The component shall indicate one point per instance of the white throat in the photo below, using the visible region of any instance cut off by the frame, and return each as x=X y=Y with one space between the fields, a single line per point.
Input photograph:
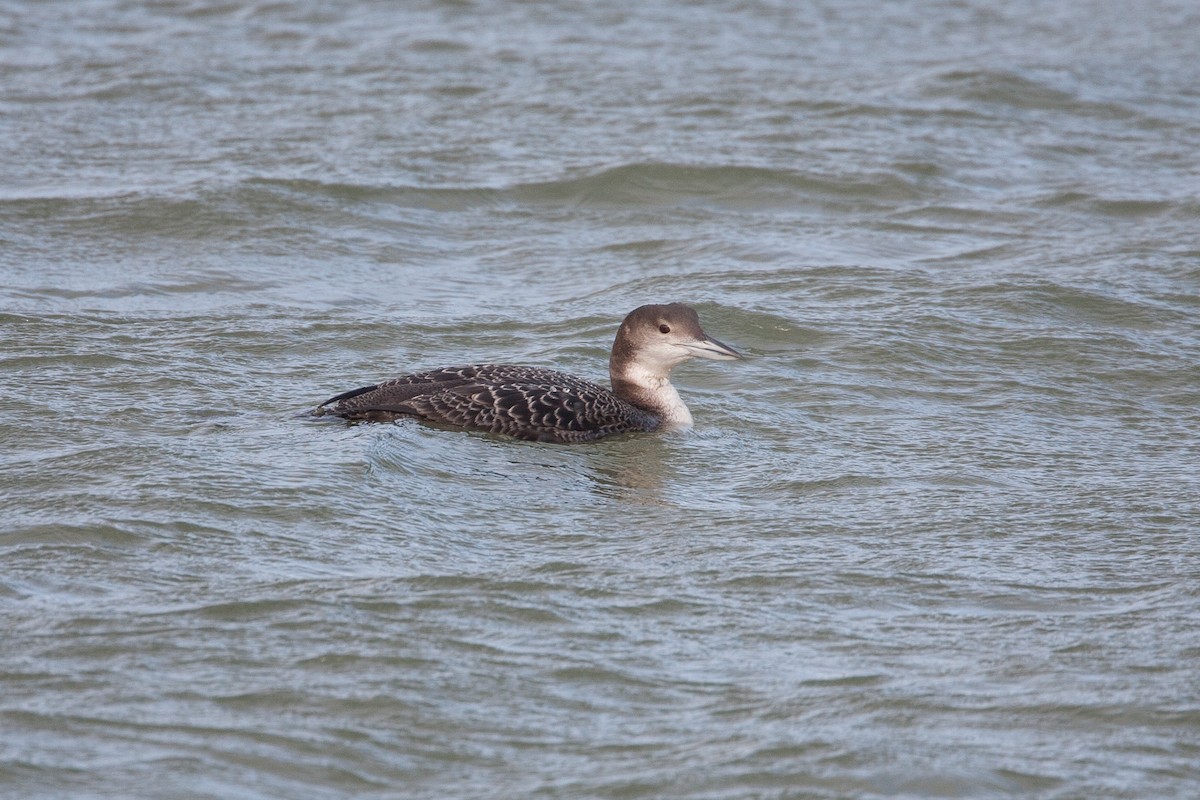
x=656 y=392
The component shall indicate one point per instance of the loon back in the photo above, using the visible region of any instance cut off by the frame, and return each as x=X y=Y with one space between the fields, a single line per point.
x=524 y=402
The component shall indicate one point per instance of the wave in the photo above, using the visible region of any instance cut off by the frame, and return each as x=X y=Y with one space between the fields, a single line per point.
x=1017 y=91
x=635 y=185
x=205 y=209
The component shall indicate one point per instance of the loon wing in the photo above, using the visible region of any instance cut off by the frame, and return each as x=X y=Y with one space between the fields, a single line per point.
x=536 y=411
x=400 y=389
x=523 y=402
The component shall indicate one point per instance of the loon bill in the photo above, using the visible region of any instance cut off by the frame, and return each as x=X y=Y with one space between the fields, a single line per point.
x=546 y=405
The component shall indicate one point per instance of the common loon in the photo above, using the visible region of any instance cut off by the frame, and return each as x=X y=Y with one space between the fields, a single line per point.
x=545 y=405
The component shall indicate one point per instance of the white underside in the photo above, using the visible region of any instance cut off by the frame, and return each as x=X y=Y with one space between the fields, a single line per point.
x=676 y=414
x=665 y=400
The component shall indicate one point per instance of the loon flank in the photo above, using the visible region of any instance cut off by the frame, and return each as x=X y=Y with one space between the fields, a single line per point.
x=545 y=405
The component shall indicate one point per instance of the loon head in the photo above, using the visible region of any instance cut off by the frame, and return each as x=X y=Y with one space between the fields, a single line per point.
x=651 y=341
x=656 y=338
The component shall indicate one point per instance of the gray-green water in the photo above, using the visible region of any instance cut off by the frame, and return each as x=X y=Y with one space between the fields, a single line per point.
x=937 y=538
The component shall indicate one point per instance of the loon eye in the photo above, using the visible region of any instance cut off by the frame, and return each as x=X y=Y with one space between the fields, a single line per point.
x=664 y=328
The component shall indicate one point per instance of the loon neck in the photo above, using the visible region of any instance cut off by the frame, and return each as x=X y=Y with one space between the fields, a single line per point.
x=651 y=391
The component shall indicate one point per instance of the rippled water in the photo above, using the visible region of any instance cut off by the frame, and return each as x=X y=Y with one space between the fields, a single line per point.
x=936 y=538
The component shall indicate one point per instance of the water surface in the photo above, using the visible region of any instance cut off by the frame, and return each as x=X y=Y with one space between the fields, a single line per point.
x=935 y=538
